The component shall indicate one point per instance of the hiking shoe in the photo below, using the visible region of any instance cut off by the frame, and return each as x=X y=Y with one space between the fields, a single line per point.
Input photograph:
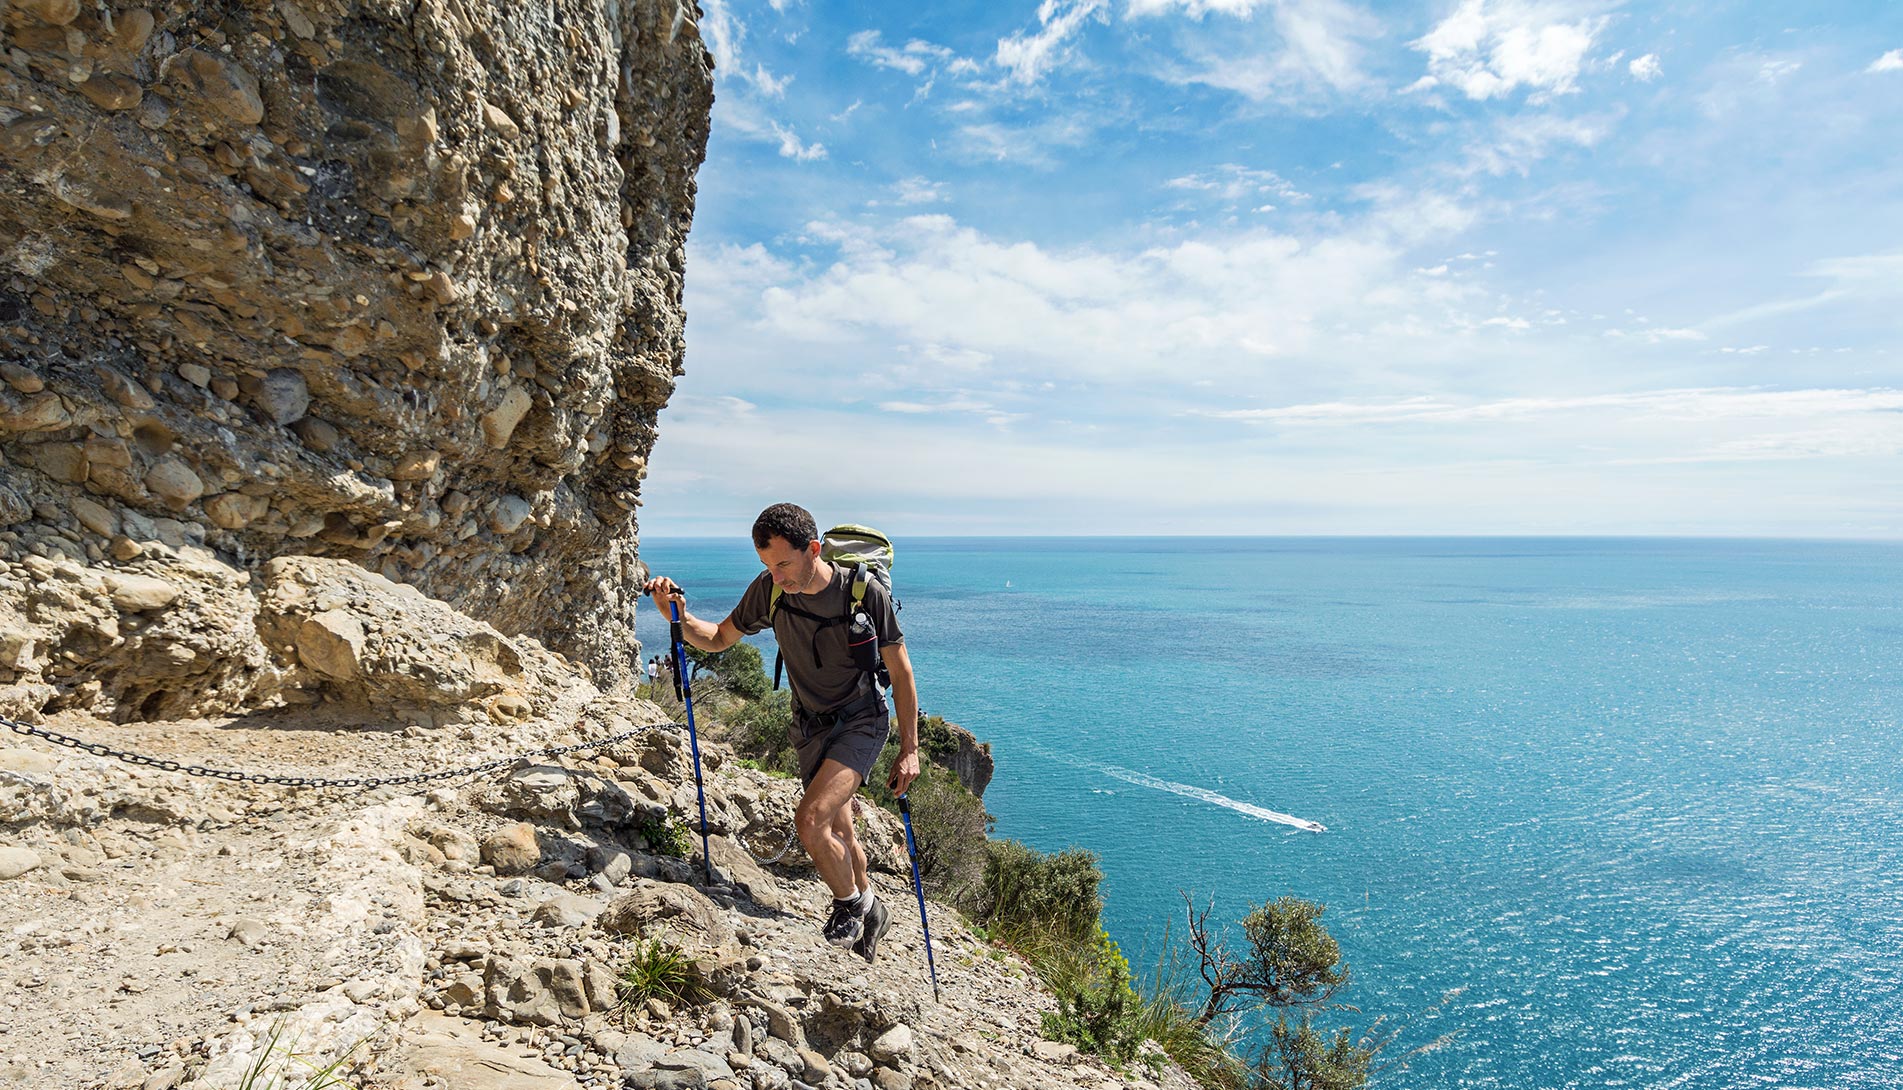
x=878 y=921
x=844 y=926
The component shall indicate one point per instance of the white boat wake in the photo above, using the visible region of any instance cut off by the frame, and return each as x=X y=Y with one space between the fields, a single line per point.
x=1189 y=791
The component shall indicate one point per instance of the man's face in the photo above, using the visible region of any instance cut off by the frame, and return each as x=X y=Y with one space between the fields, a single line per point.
x=790 y=568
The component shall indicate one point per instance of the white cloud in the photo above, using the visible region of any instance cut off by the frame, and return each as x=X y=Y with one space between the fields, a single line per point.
x=770 y=87
x=912 y=59
x=1889 y=62
x=723 y=32
x=1645 y=69
x=1657 y=336
x=1863 y=278
x=1697 y=404
x=1195 y=9
x=1229 y=303
x=918 y=190
x=1231 y=182
x=1305 y=46
x=1487 y=50
x=1028 y=57
x=792 y=147
x=1520 y=140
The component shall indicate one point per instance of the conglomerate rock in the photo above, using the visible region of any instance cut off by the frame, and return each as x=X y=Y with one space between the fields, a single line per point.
x=396 y=282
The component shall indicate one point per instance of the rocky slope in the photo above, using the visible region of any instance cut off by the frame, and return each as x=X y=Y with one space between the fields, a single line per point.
x=170 y=931
x=394 y=281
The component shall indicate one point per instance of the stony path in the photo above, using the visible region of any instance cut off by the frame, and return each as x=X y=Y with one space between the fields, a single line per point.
x=170 y=927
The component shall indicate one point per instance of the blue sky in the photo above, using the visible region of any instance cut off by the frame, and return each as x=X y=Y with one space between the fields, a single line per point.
x=1308 y=266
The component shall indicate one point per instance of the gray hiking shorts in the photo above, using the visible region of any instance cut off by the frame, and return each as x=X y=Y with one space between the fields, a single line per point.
x=853 y=739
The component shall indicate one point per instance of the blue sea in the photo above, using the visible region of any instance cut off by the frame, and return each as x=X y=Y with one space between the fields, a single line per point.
x=1611 y=812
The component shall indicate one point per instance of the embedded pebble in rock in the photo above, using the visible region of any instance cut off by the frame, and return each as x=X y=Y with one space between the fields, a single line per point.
x=140 y=593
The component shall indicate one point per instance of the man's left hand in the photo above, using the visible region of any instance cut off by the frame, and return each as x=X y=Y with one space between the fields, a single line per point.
x=904 y=771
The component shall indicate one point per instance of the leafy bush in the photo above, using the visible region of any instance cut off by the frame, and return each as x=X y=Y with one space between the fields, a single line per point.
x=1096 y=1007
x=1025 y=889
x=665 y=836
x=760 y=728
x=739 y=669
x=935 y=736
x=1298 y=1058
x=948 y=822
x=659 y=970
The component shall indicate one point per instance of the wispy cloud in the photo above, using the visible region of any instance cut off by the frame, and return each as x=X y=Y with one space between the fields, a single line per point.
x=1889 y=62
x=917 y=190
x=1029 y=55
x=1645 y=69
x=792 y=147
x=1716 y=403
x=1304 y=47
x=1232 y=183
x=913 y=58
x=768 y=85
x=1516 y=142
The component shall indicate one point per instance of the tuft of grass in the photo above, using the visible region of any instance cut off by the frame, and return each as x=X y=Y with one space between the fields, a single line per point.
x=659 y=970
x=271 y=1069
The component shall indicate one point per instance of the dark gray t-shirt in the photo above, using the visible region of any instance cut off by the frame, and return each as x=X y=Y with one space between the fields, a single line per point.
x=827 y=680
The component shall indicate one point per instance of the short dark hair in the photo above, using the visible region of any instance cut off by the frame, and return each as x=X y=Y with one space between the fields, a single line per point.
x=785 y=520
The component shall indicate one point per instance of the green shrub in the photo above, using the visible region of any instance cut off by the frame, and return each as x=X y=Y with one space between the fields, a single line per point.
x=935 y=736
x=665 y=836
x=1024 y=889
x=1096 y=1007
x=760 y=728
x=1299 y=1058
x=949 y=824
x=659 y=970
x=739 y=669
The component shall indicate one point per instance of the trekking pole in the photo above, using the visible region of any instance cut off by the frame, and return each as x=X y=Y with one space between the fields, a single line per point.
x=911 y=848
x=693 y=740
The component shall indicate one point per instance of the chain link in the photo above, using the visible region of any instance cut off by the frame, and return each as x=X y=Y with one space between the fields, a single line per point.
x=98 y=749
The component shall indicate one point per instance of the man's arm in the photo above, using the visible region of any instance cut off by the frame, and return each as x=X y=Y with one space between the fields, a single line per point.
x=704 y=635
x=905 y=706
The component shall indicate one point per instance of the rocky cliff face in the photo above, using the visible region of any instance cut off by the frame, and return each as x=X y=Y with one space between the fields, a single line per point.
x=391 y=281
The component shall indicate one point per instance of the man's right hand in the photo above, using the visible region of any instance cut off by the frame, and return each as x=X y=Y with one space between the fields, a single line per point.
x=665 y=591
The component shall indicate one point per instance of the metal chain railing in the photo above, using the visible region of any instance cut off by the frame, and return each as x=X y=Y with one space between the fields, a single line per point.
x=99 y=749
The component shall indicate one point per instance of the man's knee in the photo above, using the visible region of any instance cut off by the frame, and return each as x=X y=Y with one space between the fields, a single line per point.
x=812 y=818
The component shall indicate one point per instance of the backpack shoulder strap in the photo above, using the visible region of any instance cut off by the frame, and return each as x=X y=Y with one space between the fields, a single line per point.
x=860 y=577
x=772 y=603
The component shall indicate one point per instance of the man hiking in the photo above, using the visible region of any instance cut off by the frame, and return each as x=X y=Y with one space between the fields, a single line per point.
x=840 y=719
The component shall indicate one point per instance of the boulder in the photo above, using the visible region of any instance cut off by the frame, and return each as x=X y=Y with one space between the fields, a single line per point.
x=567 y=910
x=679 y=910
x=15 y=861
x=512 y=849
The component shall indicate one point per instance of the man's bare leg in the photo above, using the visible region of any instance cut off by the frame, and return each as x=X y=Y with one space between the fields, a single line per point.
x=848 y=831
x=818 y=819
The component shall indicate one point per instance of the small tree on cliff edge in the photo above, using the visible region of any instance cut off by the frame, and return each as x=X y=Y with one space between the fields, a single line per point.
x=1292 y=963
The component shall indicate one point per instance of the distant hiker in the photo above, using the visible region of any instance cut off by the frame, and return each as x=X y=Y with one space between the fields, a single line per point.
x=840 y=718
x=654 y=676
